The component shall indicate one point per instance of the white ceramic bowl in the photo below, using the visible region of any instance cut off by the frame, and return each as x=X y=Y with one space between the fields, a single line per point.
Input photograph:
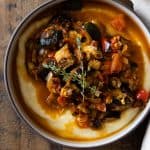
x=13 y=92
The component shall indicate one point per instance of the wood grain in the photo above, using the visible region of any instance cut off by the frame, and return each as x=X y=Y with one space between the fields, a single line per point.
x=14 y=133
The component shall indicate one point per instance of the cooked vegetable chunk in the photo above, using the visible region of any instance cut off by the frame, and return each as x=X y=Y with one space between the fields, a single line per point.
x=119 y=23
x=64 y=57
x=93 y=30
x=116 y=65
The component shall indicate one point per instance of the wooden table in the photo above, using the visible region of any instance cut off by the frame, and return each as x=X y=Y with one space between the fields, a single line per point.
x=15 y=134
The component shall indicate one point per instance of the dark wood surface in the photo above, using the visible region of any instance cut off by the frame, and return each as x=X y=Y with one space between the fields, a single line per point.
x=15 y=134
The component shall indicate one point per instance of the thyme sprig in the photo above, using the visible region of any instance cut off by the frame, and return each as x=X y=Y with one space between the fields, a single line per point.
x=57 y=70
x=78 y=42
x=76 y=77
x=66 y=76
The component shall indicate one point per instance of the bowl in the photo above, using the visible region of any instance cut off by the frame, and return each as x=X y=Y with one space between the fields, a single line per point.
x=15 y=95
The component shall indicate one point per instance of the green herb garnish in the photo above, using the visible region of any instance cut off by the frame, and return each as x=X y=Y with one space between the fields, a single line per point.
x=80 y=78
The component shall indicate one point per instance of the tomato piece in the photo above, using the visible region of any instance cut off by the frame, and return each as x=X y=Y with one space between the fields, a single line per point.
x=62 y=101
x=105 y=45
x=119 y=23
x=142 y=95
x=51 y=54
x=101 y=107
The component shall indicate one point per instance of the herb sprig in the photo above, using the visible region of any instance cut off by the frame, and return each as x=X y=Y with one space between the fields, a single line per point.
x=72 y=76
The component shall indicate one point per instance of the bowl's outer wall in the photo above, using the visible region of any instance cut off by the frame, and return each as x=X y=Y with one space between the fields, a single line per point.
x=12 y=91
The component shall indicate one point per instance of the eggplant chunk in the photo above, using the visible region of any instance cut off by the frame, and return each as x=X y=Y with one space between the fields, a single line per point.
x=53 y=38
x=113 y=114
x=93 y=30
x=42 y=73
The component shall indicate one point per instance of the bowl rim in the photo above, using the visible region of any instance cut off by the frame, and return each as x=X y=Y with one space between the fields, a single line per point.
x=34 y=125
